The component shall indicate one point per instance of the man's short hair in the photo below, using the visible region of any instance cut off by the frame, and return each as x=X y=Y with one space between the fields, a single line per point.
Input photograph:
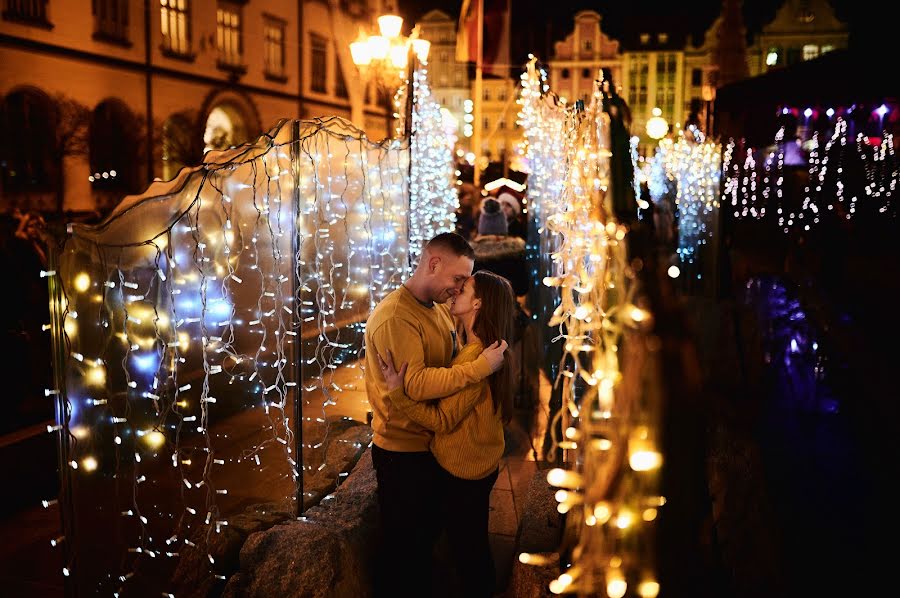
x=452 y=242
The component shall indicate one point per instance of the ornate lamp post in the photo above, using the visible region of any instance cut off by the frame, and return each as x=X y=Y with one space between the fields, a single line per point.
x=383 y=59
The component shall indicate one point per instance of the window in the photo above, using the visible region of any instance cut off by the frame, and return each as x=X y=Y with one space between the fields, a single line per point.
x=112 y=146
x=501 y=124
x=793 y=56
x=696 y=77
x=638 y=72
x=486 y=95
x=175 y=25
x=662 y=38
x=810 y=51
x=486 y=124
x=826 y=49
x=645 y=38
x=340 y=85
x=772 y=57
x=111 y=20
x=585 y=73
x=458 y=78
x=319 y=50
x=26 y=11
x=564 y=73
x=28 y=142
x=666 y=65
x=501 y=94
x=273 y=36
x=228 y=34
x=588 y=45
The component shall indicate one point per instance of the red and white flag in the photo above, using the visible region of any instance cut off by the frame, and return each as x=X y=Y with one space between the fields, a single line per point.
x=495 y=35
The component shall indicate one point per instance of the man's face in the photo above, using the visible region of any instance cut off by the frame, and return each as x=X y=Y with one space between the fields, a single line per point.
x=448 y=275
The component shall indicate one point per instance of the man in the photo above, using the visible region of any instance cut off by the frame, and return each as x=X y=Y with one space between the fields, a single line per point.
x=413 y=326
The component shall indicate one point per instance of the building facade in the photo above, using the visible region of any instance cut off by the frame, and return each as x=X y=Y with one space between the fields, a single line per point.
x=99 y=98
x=801 y=30
x=453 y=87
x=656 y=68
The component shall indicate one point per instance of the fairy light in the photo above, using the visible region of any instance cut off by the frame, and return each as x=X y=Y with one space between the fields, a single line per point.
x=246 y=303
x=845 y=177
x=689 y=167
x=433 y=194
x=590 y=290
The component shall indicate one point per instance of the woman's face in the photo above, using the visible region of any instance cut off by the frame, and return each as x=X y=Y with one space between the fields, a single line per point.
x=465 y=304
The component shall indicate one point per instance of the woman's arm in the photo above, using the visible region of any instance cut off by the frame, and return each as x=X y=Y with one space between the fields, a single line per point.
x=445 y=414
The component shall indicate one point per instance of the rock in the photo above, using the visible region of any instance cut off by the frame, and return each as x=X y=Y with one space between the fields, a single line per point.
x=326 y=554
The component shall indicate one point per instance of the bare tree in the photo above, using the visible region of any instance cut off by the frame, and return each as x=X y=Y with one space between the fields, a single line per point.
x=72 y=123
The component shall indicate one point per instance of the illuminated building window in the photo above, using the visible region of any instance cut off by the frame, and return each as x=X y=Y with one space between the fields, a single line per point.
x=225 y=128
x=772 y=57
x=826 y=49
x=810 y=51
x=228 y=34
x=645 y=38
x=663 y=38
x=319 y=56
x=273 y=34
x=175 y=26
x=111 y=20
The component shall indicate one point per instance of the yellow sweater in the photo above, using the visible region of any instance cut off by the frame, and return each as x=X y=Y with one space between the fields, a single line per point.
x=468 y=440
x=422 y=337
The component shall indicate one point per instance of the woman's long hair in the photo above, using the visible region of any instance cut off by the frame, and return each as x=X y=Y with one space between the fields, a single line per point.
x=494 y=322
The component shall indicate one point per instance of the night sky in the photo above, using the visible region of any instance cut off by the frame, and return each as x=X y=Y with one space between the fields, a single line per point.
x=538 y=23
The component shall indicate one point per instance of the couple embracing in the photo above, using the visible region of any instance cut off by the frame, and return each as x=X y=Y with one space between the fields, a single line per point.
x=440 y=394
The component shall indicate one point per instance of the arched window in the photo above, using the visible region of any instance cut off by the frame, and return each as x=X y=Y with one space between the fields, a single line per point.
x=181 y=144
x=114 y=147
x=29 y=145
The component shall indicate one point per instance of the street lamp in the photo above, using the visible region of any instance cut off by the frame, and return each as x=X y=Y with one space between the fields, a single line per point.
x=657 y=126
x=383 y=58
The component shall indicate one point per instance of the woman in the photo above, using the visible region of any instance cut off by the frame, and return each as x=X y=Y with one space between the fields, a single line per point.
x=468 y=441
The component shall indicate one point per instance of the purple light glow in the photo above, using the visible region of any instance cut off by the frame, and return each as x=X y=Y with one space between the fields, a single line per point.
x=882 y=110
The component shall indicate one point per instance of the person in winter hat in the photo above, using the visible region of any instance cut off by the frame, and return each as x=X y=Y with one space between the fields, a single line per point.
x=513 y=211
x=492 y=220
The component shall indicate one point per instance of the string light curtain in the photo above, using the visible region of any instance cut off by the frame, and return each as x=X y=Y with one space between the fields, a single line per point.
x=693 y=163
x=433 y=195
x=191 y=322
x=609 y=490
x=844 y=177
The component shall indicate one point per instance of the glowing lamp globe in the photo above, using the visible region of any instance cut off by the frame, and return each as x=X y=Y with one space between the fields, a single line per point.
x=657 y=126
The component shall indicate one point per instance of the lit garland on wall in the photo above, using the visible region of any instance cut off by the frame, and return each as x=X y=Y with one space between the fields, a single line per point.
x=185 y=324
x=610 y=495
x=693 y=164
x=845 y=177
x=434 y=198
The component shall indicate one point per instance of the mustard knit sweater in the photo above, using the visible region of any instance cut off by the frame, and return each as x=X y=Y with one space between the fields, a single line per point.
x=468 y=433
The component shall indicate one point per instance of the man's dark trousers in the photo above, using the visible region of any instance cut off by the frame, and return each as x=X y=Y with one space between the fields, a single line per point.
x=410 y=516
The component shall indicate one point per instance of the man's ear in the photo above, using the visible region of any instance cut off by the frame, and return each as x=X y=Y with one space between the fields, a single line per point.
x=433 y=263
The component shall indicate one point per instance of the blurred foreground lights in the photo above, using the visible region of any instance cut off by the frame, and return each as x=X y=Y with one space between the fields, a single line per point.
x=673 y=272
x=96 y=376
x=89 y=464
x=82 y=282
x=155 y=439
x=648 y=589
x=536 y=559
x=616 y=586
x=562 y=478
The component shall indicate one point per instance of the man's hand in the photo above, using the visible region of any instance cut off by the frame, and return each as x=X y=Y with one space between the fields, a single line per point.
x=494 y=354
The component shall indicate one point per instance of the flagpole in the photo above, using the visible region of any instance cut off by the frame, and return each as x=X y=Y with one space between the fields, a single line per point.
x=479 y=94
